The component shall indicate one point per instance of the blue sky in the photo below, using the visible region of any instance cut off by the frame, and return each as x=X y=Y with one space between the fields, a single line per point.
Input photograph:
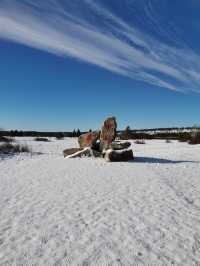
x=66 y=64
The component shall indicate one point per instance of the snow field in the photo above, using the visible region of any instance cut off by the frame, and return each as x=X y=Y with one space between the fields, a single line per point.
x=56 y=211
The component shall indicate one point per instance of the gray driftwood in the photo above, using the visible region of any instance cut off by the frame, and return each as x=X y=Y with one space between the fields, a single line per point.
x=87 y=152
x=119 y=156
x=71 y=151
x=117 y=145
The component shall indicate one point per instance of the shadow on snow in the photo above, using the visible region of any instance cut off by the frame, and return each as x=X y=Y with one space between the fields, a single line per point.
x=159 y=160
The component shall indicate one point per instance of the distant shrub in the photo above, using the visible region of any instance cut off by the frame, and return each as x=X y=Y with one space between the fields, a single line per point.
x=5 y=139
x=195 y=138
x=129 y=134
x=24 y=148
x=41 y=139
x=183 y=140
x=142 y=141
x=126 y=134
x=184 y=137
x=9 y=148
x=60 y=136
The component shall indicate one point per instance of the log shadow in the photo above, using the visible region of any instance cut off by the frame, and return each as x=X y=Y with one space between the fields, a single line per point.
x=152 y=160
x=6 y=156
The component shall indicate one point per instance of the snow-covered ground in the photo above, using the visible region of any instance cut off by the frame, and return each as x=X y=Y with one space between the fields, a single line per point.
x=56 y=211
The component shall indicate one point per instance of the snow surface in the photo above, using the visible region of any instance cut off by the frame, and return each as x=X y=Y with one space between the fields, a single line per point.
x=56 y=211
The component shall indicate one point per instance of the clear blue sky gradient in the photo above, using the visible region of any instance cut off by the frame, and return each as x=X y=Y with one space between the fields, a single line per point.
x=43 y=90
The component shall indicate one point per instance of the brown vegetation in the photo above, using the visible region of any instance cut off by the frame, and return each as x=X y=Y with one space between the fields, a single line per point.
x=195 y=138
x=9 y=148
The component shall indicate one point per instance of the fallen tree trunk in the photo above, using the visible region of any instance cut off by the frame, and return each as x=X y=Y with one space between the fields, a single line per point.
x=119 y=156
x=71 y=151
x=87 y=152
x=117 y=145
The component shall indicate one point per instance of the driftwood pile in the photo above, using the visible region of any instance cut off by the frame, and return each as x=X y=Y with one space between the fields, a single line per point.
x=102 y=144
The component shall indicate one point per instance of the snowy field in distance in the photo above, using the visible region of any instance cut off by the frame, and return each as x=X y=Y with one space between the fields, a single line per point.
x=56 y=211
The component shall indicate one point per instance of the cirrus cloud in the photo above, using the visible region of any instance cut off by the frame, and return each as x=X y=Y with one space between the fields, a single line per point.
x=91 y=32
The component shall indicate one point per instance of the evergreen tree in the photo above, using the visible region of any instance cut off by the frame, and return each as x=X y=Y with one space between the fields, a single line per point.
x=127 y=134
x=78 y=133
x=74 y=133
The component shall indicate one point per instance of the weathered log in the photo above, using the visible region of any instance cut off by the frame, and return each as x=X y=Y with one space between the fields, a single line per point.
x=88 y=139
x=87 y=152
x=119 y=156
x=108 y=133
x=117 y=145
x=71 y=151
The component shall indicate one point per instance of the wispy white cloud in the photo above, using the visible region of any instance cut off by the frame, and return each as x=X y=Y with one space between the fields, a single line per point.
x=88 y=31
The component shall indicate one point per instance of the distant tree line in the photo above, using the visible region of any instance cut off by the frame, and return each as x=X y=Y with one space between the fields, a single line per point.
x=21 y=133
x=169 y=133
x=156 y=133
